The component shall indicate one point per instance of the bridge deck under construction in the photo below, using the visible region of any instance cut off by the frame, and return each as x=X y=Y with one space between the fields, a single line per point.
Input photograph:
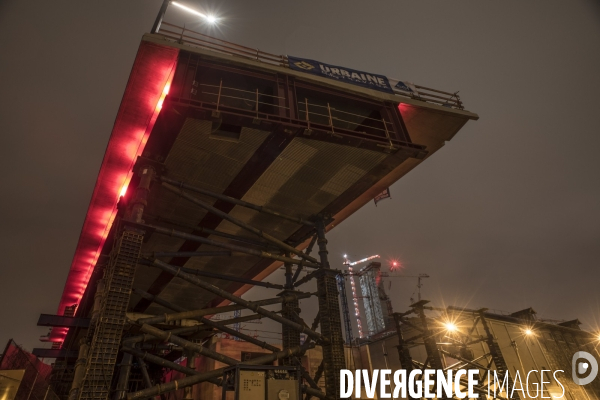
x=231 y=162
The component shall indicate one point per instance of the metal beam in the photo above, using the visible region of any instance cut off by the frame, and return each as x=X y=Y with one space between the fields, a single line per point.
x=239 y=335
x=54 y=353
x=218 y=253
x=235 y=299
x=201 y=229
x=145 y=356
x=186 y=344
x=158 y=300
x=124 y=372
x=160 y=16
x=196 y=314
x=229 y=246
x=62 y=321
x=232 y=278
x=262 y=209
x=189 y=330
x=307 y=278
x=203 y=377
x=331 y=324
x=239 y=223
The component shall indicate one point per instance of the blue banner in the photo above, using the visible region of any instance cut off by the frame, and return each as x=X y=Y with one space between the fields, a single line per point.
x=359 y=78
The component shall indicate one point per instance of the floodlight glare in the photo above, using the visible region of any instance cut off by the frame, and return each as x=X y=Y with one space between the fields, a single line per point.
x=528 y=332
x=450 y=326
x=209 y=18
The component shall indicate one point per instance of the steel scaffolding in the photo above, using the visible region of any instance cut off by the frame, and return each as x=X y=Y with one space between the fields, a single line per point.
x=427 y=333
x=106 y=346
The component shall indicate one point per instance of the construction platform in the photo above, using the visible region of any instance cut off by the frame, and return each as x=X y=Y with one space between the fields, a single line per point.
x=224 y=163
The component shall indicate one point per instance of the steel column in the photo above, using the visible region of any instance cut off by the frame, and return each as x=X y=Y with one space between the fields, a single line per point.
x=124 y=371
x=191 y=364
x=331 y=324
x=290 y=309
x=205 y=376
x=112 y=317
x=79 y=373
x=238 y=300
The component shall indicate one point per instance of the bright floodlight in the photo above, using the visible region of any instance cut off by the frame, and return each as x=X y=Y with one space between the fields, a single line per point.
x=528 y=332
x=209 y=18
x=345 y=256
x=450 y=326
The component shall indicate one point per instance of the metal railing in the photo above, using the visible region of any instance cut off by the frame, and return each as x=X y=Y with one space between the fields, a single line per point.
x=258 y=104
x=189 y=37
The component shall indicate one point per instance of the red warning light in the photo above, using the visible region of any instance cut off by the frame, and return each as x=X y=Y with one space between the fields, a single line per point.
x=394 y=265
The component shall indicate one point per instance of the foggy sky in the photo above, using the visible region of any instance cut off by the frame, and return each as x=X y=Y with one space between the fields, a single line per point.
x=505 y=216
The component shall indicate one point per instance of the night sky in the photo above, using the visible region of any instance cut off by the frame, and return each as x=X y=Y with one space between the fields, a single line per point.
x=505 y=216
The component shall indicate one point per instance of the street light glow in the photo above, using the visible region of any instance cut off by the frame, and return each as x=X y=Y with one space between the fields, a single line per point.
x=211 y=19
x=528 y=332
x=450 y=326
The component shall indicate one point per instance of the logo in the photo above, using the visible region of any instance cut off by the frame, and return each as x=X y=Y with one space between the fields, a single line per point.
x=581 y=368
x=304 y=65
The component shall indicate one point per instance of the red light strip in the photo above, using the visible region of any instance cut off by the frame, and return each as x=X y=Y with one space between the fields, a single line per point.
x=148 y=85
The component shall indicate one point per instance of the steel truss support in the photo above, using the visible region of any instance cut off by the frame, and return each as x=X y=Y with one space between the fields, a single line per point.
x=263 y=244
x=111 y=321
x=239 y=223
x=428 y=338
x=110 y=317
x=345 y=311
x=235 y=299
x=189 y=330
x=232 y=278
x=229 y=246
x=434 y=359
x=290 y=309
x=406 y=361
x=217 y=373
x=331 y=324
x=235 y=201
x=496 y=353
x=308 y=250
x=285 y=298
x=124 y=371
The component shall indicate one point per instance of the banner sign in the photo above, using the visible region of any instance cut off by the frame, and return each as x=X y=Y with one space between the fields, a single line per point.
x=383 y=195
x=359 y=78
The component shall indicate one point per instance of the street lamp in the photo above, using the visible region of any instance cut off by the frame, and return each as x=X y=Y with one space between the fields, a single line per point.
x=211 y=19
